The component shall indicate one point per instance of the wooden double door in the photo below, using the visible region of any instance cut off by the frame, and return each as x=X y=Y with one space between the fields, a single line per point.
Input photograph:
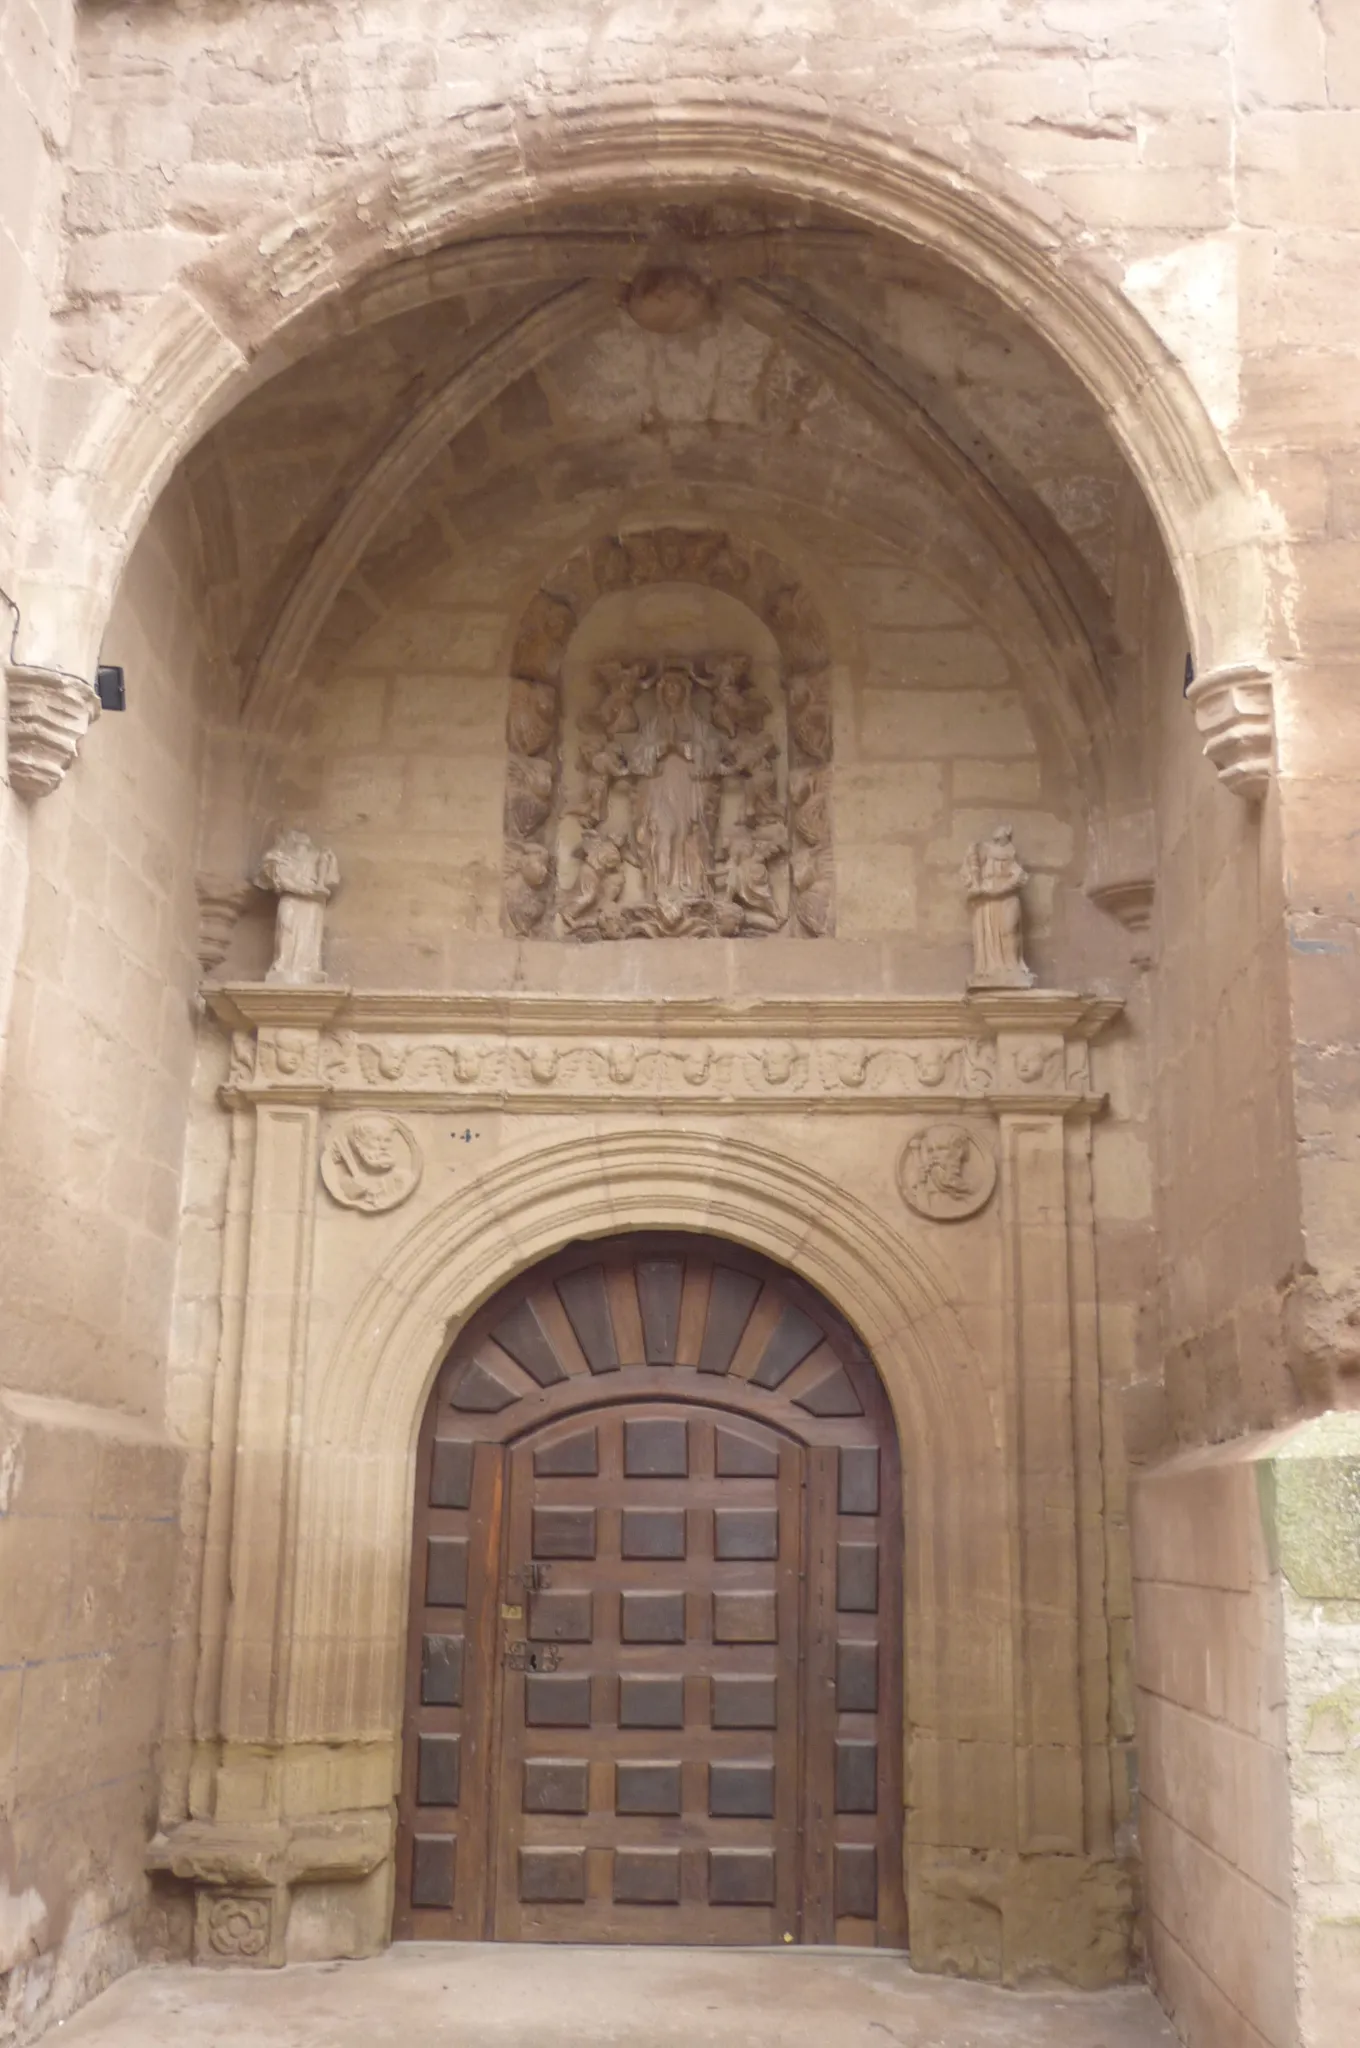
x=653 y=1683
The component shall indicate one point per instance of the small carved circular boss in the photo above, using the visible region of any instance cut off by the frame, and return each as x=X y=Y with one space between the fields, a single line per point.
x=945 y=1172
x=370 y=1162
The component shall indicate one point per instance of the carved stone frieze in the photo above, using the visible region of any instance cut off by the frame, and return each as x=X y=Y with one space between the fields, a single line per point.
x=49 y=715
x=685 y=801
x=1234 y=708
x=1026 y=1048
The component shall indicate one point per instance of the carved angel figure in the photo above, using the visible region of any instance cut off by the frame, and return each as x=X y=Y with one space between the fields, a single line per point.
x=532 y=723
x=302 y=876
x=748 y=899
x=617 y=710
x=738 y=706
x=529 y=793
x=810 y=720
x=593 y=902
x=993 y=879
x=528 y=872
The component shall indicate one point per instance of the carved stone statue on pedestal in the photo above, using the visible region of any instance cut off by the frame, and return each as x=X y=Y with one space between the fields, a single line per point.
x=302 y=875
x=993 y=879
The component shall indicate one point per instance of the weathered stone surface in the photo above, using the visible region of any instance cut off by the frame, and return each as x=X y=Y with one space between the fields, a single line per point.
x=987 y=362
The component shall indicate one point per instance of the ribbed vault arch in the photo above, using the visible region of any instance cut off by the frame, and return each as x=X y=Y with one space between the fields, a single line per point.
x=281 y=283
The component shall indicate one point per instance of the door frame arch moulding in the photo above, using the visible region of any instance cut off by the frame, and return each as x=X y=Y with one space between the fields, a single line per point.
x=611 y=1117
x=369 y=248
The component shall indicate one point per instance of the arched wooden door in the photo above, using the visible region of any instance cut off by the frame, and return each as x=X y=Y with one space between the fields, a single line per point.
x=653 y=1686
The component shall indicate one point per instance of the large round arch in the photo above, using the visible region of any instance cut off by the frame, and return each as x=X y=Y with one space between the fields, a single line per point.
x=351 y=1519
x=653 y=1686
x=277 y=286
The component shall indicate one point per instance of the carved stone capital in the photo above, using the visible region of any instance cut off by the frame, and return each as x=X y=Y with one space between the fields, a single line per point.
x=49 y=715
x=1234 y=708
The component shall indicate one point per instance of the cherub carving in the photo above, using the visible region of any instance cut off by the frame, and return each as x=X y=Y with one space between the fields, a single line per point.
x=528 y=873
x=593 y=901
x=529 y=794
x=532 y=723
x=616 y=711
x=811 y=814
x=810 y=720
x=753 y=758
x=603 y=768
x=738 y=706
x=748 y=901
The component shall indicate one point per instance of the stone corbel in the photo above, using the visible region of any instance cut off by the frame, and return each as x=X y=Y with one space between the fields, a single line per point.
x=1121 y=874
x=49 y=715
x=243 y=1875
x=221 y=900
x=1234 y=708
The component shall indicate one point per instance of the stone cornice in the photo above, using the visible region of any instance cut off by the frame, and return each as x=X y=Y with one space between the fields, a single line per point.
x=1009 y=1051
x=247 y=1006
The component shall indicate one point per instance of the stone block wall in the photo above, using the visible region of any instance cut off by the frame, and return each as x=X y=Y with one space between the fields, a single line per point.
x=1214 y=1814
x=37 y=69
x=91 y=1145
x=1247 y=1582
x=89 y=1537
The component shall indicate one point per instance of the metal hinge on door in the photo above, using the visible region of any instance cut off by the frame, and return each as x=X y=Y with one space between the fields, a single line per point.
x=533 y=1577
x=522 y=1656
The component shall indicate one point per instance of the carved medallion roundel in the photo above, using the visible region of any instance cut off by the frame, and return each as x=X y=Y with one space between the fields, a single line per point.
x=370 y=1163
x=945 y=1172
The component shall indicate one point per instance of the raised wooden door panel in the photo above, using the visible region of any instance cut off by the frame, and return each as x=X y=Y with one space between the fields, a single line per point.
x=448 y=1753
x=653 y=1686
x=649 y=1774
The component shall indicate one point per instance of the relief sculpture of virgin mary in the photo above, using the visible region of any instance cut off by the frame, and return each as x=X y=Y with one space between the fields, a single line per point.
x=680 y=832
x=673 y=765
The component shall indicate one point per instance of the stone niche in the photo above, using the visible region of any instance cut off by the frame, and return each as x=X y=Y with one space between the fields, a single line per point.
x=669 y=748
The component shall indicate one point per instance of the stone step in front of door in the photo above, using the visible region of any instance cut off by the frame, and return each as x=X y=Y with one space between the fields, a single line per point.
x=484 y=1995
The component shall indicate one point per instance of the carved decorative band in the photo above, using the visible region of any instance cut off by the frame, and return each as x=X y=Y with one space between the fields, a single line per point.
x=512 y=1056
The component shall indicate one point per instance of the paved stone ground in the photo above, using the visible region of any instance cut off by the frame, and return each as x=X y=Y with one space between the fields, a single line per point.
x=474 y=1996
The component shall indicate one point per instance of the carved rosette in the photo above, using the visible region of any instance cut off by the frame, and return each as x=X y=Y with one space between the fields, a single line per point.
x=49 y=716
x=1234 y=708
x=758 y=853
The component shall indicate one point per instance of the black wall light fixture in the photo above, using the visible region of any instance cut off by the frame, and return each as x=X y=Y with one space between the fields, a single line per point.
x=110 y=688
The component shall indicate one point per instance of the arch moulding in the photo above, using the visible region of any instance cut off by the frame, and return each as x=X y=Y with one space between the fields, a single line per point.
x=600 y=1118
x=278 y=286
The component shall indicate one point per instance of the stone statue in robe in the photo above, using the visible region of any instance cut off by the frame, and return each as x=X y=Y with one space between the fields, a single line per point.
x=673 y=766
x=992 y=880
x=302 y=875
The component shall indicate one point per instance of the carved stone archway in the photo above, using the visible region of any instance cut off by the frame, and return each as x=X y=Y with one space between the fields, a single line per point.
x=269 y=292
x=615 y=1117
